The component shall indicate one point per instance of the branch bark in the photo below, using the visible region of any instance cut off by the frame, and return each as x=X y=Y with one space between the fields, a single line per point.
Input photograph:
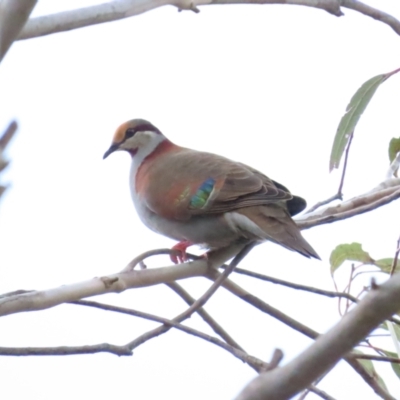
x=120 y=9
x=39 y=300
x=301 y=328
x=13 y=16
x=4 y=141
x=283 y=383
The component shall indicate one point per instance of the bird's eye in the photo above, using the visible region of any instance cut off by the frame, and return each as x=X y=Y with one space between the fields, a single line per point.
x=129 y=133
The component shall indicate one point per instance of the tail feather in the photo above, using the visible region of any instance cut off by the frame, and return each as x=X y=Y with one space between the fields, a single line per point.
x=278 y=226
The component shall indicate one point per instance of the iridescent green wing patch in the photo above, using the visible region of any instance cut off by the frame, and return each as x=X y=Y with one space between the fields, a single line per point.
x=200 y=198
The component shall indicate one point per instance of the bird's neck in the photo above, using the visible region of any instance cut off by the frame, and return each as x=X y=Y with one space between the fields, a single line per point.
x=142 y=160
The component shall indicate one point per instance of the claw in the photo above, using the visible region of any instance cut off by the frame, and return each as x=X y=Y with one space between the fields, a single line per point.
x=181 y=247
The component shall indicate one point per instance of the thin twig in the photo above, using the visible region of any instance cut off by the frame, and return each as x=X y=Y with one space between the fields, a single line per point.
x=349 y=287
x=320 y=393
x=396 y=257
x=329 y=348
x=307 y=391
x=394 y=360
x=196 y=305
x=217 y=328
x=346 y=156
x=321 y=203
x=327 y=293
x=277 y=357
x=238 y=353
x=4 y=140
x=297 y=326
x=66 y=350
x=151 y=253
x=8 y=134
x=339 y=194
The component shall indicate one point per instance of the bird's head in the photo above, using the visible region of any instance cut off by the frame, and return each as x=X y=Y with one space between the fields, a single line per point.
x=134 y=136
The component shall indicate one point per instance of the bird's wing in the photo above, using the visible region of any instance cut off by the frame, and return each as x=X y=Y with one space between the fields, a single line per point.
x=189 y=183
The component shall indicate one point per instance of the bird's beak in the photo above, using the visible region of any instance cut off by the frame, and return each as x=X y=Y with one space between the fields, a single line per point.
x=112 y=148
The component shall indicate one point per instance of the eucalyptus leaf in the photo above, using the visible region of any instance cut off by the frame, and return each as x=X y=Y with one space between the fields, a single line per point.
x=385 y=264
x=369 y=366
x=394 y=148
x=350 y=252
x=354 y=110
x=395 y=366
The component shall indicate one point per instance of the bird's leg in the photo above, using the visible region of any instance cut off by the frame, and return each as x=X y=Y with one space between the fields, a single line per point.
x=181 y=247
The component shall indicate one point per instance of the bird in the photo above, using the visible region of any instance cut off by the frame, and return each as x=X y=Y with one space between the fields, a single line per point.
x=200 y=198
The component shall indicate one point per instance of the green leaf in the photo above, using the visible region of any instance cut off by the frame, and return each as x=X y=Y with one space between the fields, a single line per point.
x=385 y=264
x=395 y=366
x=356 y=107
x=394 y=148
x=351 y=252
x=369 y=366
x=396 y=330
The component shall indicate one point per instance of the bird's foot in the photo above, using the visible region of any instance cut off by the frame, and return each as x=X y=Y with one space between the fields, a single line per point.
x=181 y=257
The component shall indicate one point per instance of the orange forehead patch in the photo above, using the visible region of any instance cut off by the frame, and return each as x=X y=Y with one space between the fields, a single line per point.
x=119 y=134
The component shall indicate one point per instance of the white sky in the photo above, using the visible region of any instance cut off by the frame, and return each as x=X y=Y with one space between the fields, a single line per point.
x=265 y=85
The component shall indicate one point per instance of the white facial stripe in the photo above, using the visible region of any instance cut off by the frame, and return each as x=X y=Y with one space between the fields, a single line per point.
x=145 y=143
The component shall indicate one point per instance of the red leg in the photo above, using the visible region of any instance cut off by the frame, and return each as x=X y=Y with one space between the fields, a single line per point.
x=181 y=247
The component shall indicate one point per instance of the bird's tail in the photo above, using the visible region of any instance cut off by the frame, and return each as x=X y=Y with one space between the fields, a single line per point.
x=279 y=227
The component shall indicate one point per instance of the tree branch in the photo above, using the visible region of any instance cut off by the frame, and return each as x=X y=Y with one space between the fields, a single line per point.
x=217 y=328
x=237 y=352
x=120 y=9
x=377 y=358
x=339 y=193
x=385 y=193
x=320 y=393
x=283 y=383
x=116 y=283
x=4 y=141
x=66 y=350
x=13 y=16
x=197 y=304
x=299 y=327
x=373 y=13
x=327 y=293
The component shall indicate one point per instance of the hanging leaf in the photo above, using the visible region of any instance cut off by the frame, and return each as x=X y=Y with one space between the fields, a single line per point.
x=394 y=148
x=395 y=366
x=385 y=264
x=356 y=107
x=369 y=366
x=351 y=252
x=354 y=110
x=396 y=329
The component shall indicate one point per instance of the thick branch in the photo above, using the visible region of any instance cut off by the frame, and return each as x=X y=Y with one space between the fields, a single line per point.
x=38 y=300
x=383 y=194
x=13 y=16
x=373 y=13
x=115 y=10
x=299 y=327
x=283 y=383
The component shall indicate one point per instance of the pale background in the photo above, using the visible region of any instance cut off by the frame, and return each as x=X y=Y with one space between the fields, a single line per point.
x=265 y=85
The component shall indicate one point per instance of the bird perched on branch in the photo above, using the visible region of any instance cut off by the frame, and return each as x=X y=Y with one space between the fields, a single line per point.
x=202 y=198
